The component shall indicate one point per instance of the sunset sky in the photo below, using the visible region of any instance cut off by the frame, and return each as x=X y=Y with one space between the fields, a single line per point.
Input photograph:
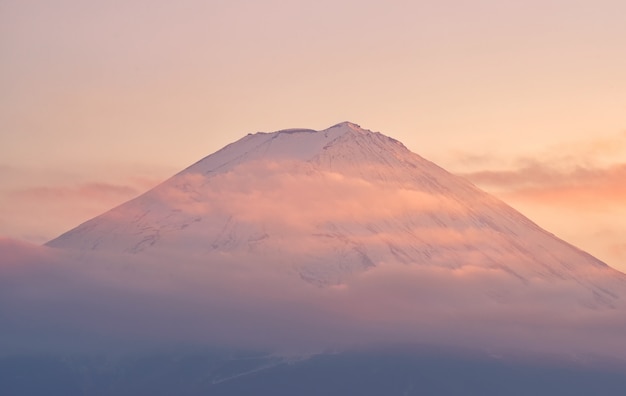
x=100 y=101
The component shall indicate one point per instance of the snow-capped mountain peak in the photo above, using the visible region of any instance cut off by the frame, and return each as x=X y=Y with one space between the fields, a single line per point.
x=332 y=203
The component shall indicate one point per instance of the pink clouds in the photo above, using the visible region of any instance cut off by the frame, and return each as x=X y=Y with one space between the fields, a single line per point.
x=102 y=192
x=39 y=213
x=325 y=195
x=270 y=193
x=581 y=186
x=575 y=189
x=574 y=173
x=16 y=253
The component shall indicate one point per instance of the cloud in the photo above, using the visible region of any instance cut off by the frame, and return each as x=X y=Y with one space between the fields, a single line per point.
x=102 y=192
x=274 y=195
x=41 y=212
x=52 y=300
x=551 y=193
x=599 y=151
x=543 y=183
x=572 y=188
x=571 y=173
x=535 y=174
x=16 y=253
x=67 y=301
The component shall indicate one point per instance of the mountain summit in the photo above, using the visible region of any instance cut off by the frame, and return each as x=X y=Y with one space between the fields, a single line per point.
x=333 y=203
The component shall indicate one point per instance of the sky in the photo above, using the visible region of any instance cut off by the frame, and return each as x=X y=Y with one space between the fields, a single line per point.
x=100 y=101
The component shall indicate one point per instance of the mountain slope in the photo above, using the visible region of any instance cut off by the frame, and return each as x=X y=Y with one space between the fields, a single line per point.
x=328 y=204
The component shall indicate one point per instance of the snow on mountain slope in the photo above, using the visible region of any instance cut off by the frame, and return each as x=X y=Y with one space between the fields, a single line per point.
x=328 y=204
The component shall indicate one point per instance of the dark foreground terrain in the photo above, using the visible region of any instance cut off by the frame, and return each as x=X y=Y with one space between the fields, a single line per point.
x=348 y=373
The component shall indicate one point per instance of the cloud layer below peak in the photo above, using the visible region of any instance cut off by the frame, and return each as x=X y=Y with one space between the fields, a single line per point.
x=57 y=301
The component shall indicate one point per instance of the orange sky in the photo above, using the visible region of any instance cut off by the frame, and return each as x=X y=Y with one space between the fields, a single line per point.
x=101 y=100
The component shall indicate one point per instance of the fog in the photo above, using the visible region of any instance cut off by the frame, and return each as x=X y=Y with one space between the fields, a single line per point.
x=58 y=301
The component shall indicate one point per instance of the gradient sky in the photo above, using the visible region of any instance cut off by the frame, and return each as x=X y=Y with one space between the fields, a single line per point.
x=101 y=100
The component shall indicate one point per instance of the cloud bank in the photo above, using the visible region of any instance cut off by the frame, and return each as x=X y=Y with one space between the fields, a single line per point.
x=574 y=189
x=57 y=301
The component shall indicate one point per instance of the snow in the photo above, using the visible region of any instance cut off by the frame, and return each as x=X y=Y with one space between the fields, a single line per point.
x=296 y=144
x=328 y=204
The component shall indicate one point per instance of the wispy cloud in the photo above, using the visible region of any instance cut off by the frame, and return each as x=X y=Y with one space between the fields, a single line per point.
x=543 y=183
x=584 y=177
x=86 y=191
x=594 y=152
x=41 y=212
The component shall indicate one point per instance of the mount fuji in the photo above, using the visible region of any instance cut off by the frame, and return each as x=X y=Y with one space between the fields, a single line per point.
x=329 y=204
x=310 y=262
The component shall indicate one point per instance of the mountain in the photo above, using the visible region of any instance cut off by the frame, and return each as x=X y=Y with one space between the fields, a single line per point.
x=310 y=262
x=331 y=203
